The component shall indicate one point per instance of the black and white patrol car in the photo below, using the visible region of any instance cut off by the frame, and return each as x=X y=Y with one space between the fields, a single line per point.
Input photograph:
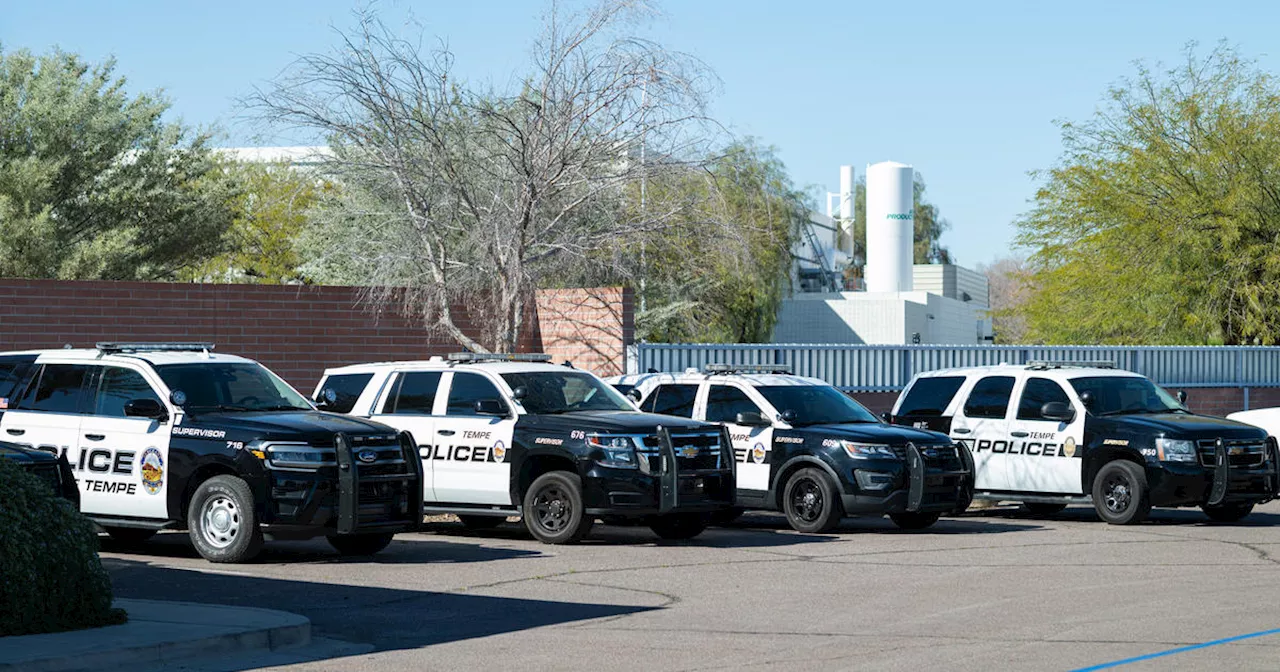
x=505 y=435
x=1052 y=433
x=807 y=449
x=171 y=436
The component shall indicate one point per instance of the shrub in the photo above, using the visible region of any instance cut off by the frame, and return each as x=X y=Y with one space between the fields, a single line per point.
x=51 y=578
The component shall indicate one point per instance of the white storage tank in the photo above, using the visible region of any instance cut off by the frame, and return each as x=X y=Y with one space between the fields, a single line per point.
x=891 y=233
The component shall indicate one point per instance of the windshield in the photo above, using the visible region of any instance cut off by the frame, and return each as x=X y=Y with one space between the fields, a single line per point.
x=816 y=404
x=1115 y=395
x=239 y=386
x=547 y=392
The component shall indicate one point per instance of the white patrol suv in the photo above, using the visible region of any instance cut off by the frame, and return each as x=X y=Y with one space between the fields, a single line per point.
x=502 y=435
x=171 y=435
x=807 y=449
x=1052 y=433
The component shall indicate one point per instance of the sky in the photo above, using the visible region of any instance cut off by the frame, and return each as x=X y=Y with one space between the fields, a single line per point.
x=967 y=92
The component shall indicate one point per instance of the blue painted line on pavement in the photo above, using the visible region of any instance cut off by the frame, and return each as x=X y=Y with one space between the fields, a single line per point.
x=1181 y=649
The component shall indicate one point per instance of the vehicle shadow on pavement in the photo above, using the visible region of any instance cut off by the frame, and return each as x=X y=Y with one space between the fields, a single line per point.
x=617 y=535
x=405 y=549
x=1186 y=517
x=870 y=525
x=385 y=618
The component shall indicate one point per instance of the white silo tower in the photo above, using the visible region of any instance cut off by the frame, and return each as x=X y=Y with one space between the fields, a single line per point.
x=891 y=230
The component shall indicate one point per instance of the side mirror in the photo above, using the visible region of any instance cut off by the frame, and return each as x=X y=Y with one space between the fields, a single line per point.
x=520 y=392
x=146 y=408
x=1086 y=398
x=1058 y=410
x=178 y=397
x=751 y=419
x=1182 y=397
x=491 y=407
x=789 y=415
x=327 y=397
x=887 y=416
x=634 y=395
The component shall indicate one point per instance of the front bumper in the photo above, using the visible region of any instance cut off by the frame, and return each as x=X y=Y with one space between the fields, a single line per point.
x=916 y=484
x=1192 y=484
x=665 y=484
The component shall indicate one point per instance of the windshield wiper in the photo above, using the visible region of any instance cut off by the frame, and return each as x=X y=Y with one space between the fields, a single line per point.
x=1139 y=411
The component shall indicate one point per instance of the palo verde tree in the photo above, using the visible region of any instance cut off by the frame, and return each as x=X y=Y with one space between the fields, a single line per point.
x=452 y=195
x=93 y=183
x=1160 y=223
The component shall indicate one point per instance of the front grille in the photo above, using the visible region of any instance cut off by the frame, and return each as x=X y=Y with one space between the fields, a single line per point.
x=1240 y=452
x=697 y=452
x=390 y=461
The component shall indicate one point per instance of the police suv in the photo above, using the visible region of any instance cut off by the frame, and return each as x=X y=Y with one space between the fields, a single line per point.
x=1052 y=433
x=170 y=435
x=806 y=448
x=504 y=435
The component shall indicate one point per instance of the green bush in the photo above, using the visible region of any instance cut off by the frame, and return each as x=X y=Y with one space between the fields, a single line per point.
x=51 y=578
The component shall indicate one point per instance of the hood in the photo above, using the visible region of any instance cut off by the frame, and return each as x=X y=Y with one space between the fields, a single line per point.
x=309 y=426
x=1185 y=426
x=20 y=455
x=626 y=422
x=893 y=435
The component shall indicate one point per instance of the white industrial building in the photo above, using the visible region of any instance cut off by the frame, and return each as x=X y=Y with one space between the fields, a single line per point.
x=904 y=303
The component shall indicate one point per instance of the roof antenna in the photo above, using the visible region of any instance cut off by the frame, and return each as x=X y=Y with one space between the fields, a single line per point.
x=568 y=363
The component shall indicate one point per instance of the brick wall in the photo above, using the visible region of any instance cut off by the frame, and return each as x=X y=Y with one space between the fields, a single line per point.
x=1218 y=401
x=297 y=331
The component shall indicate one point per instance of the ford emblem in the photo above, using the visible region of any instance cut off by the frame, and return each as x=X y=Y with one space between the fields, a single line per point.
x=367 y=456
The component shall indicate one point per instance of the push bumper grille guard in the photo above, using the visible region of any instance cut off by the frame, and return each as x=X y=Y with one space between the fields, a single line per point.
x=350 y=479
x=917 y=474
x=669 y=476
x=1273 y=466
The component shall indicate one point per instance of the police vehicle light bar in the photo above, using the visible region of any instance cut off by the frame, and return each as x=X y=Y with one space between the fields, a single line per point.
x=461 y=357
x=113 y=347
x=748 y=368
x=1042 y=364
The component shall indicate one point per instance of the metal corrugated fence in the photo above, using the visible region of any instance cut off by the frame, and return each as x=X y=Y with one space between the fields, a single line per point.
x=888 y=368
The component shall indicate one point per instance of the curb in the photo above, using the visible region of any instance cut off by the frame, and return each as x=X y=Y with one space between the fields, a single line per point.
x=157 y=632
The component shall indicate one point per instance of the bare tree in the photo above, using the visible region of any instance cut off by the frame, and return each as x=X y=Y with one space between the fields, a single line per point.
x=456 y=196
x=1008 y=282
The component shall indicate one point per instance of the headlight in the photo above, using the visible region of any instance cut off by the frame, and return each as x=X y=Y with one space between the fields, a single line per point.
x=1176 y=450
x=296 y=456
x=616 y=452
x=868 y=451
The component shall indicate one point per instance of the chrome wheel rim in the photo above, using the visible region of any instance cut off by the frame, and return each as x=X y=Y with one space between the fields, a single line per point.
x=220 y=522
x=1117 y=493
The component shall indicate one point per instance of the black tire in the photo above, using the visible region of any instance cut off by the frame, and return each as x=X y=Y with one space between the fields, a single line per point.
x=1043 y=508
x=1228 y=513
x=130 y=535
x=222 y=521
x=914 y=520
x=727 y=516
x=481 y=522
x=1120 y=493
x=811 y=502
x=359 y=544
x=553 y=510
x=679 y=525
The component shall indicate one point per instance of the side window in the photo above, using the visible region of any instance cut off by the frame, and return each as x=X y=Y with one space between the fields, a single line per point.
x=348 y=388
x=118 y=387
x=11 y=373
x=58 y=389
x=929 y=397
x=1037 y=393
x=466 y=390
x=672 y=400
x=415 y=393
x=989 y=398
x=725 y=402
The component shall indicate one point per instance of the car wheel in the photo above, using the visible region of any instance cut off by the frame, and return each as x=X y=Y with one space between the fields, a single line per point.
x=810 y=501
x=914 y=520
x=481 y=522
x=222 y=522
x=1120 y=493
x=679 y=526
x=1227 y=513
x=553 y=510
x=1042 y=508
x=130 y=535
x=359 y=544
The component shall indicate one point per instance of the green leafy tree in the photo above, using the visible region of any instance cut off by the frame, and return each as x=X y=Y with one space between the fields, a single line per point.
x=270 y=205
x=93 y=184
x=929 y=226
x=1160 y=223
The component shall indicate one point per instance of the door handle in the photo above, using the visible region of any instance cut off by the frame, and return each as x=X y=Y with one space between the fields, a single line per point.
x=95 y=437
x=446 y=432
x=16 y=432
x=1020 y=435
x=960 y=430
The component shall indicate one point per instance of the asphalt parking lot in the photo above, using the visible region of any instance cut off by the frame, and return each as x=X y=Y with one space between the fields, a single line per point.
x=995 y=590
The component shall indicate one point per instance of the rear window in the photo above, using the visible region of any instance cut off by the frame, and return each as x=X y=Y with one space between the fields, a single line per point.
x=58 y=390
x=672 y=400
x=929 y=397
x=11 y=374
x=347 y=387
x=989 y=398
x=415 y=393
